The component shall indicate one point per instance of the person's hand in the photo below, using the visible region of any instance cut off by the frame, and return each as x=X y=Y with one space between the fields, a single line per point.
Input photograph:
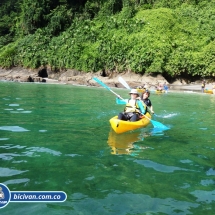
x=152 y=112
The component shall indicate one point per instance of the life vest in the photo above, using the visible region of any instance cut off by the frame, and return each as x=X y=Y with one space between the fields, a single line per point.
x=132 y=106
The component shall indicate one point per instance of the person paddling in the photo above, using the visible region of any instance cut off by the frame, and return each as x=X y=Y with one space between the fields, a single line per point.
x=203 y=86
x=213 y=89
x=147 y=101
x=132 y=110
x=165 y=87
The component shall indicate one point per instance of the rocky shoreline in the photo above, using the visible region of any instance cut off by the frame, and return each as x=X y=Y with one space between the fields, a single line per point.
x=74 y=77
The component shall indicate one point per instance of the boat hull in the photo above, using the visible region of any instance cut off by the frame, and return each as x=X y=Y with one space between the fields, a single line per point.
x=159 y=91
x=208 y=91
x=121 y=126
x=141 y=90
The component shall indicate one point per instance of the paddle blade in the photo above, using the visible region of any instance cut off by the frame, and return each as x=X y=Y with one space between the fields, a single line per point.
x=101 y=83
x=120 y=101
x=123 y=82
x=159 y=125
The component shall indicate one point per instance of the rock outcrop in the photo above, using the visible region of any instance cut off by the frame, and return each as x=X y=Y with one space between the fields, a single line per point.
x=75 y=77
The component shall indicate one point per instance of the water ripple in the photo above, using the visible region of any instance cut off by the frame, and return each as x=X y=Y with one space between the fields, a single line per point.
x=4 y=138
x=204 y=196
x=21 y=161
x=42 y=149
x=186 y=161
x=13 y=128
x=210 y=172
x=170 y=115
x=13 y=105
x=72 y=155
x=17 y=181
x=4 y=172
x=207 y=182
x=132 y=204
x=8 y=156
x=26 y=111
x=10 y=146
x=159 y=167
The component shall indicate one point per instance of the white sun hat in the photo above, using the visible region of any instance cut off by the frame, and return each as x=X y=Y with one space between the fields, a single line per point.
x=134 y=91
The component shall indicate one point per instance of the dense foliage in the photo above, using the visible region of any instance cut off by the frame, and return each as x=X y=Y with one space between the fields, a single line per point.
x=170 y=37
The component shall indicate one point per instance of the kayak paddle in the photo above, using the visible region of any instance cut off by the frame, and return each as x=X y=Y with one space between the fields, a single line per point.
x=123 y=82
x=105 y=86
x=155 y=123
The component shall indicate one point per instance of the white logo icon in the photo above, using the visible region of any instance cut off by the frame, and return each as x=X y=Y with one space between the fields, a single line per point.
x=1 y=194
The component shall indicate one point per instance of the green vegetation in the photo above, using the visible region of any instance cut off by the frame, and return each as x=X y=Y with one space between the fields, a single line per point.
x=171 y=37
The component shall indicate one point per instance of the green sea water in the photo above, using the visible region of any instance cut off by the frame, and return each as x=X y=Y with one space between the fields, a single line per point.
x=58 y=138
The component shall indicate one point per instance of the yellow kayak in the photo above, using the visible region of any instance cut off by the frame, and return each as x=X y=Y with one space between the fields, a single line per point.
x=121 y=126
x=159 y=91
x=140 y=90
x=208 y=91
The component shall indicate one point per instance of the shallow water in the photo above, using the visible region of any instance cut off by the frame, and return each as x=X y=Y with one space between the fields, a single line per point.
x=58 y=138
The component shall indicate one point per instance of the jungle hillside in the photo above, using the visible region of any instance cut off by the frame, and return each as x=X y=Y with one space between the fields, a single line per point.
x=170 y=37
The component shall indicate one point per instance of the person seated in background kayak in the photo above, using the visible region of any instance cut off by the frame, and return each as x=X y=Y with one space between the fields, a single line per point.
x=213 y=89
x=140 y=87
x=203 y=86
x=146 y=87
x=159 y=87
x=147 y=101
x=165 y=87
x=132 y=110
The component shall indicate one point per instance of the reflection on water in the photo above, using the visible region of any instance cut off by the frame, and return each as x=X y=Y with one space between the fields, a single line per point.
x=13 y=105
x=13 y=128
x=9 y=172
x=21 y=111
x=204 y=196
x=159 y=167
x=18 y=110
x=8 y=156
x=17 y=181
x=207 y=182
x=42 y=130
x=210 y=172
x=33 y=150
x=124 y=143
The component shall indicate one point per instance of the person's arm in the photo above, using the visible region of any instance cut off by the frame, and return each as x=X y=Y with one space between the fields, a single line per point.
x=151 y=109
x=121 y=102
